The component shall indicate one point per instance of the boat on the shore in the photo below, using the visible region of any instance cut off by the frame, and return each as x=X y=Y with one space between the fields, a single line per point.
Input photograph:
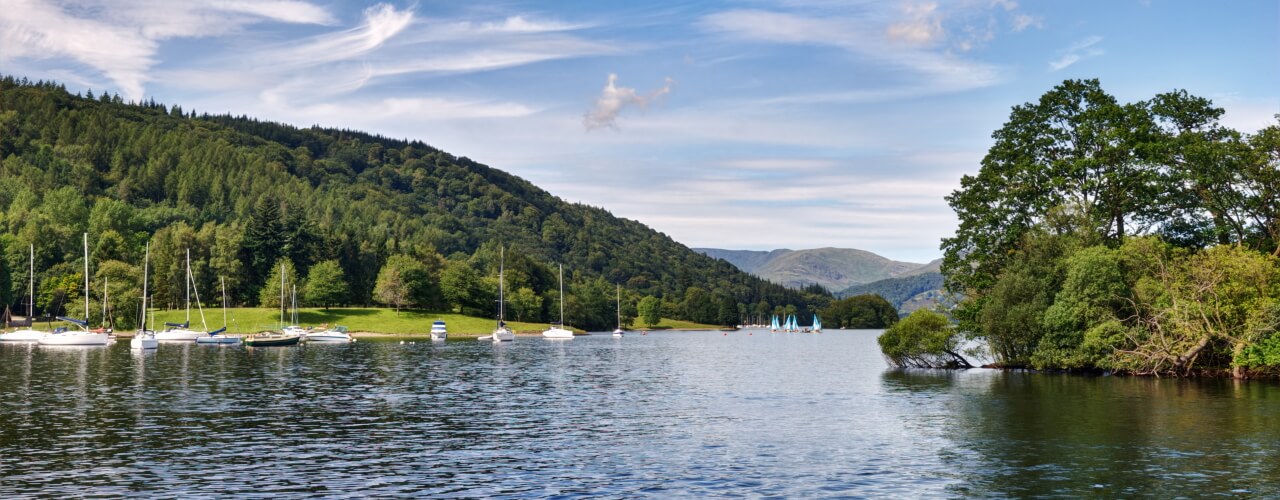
x=557 y=330
x=501 y=333
x=438 y=330
x=336 y=334
x=144 y=339
x=25 y=333
x=63 y=336
x=270 y=338
x=618 y=332
x=219 y=337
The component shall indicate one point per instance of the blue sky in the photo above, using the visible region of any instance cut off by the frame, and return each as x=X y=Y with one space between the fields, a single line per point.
x=757 y=124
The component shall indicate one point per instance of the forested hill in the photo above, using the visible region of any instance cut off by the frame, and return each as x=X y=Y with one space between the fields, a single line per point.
x=247 y=195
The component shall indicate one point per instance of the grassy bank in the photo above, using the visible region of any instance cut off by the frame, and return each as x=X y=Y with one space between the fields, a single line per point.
x=373 y=320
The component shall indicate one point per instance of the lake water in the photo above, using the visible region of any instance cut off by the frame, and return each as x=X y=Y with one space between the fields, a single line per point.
x=673 y=414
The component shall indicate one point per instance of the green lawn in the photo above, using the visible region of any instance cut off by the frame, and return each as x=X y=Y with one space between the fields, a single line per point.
x=374 y=320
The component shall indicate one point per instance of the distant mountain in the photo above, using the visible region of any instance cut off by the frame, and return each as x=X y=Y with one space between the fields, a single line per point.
x=906 y=293
x=833 y=268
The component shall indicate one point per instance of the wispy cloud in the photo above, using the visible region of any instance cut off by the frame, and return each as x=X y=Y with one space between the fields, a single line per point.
x=613 y=98
x=922 y=26
x=929 y=71
x=120 y=41
x=1023 y=21
x=381 y=22
x=1076 y=52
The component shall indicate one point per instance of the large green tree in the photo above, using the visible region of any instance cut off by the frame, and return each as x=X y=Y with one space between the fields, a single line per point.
x=326 y=284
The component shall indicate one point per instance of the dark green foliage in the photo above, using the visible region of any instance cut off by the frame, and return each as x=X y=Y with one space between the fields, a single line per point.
x=242 y=194
x=650 y=311
x=925 y=339
x=326 y=286
x=897 y=290
x=1134 y=237
x=862 y=311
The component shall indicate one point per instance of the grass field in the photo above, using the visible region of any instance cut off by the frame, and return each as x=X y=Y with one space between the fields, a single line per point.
x=373 y=320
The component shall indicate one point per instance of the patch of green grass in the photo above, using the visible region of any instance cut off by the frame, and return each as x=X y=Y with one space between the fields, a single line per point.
x=356 y=319
x=373 y=320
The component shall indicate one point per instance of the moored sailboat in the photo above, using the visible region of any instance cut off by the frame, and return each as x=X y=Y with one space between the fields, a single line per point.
x=557 y=330
x=219 y=336
x=501 y=333
x=618 y=332
x=143 y=338
x=86 y=336
x=25 y=333
x=272 y=338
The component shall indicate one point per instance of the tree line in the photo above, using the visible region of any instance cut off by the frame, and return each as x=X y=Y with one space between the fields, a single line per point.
x=355 y=219
x=1135 y=237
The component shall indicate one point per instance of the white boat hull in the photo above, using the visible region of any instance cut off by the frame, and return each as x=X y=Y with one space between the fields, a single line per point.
x=75 y=338
x=618 y=333
x=217 y=340
x=558 y=333
x=22 y=336
x=327 y=337
x=503 y=335
x=181 y=335
x=144 y=342
x=438 y=336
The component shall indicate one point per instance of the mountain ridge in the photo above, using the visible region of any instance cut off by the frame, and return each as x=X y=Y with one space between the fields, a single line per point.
x=832 y=268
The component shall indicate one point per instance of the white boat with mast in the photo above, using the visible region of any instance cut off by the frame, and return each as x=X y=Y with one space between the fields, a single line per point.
x=85 y=337
x=183 y=331
x=272 y=338
x=557 y=330
x=25 y=333
x=219 y=336
x=144 y=338
x=501 y=333
x=293 y=327
x=618 y=332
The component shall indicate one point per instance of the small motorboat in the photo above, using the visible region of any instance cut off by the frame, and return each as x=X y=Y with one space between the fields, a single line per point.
x=438 y=331
x=335 y=334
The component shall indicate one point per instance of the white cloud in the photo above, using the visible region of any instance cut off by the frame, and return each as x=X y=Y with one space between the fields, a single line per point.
x=1023 y=21
x=1080 y=50
x=120 y=40
x=381 y=22
x=613 y=98
x=929 y=71
x=923 y=25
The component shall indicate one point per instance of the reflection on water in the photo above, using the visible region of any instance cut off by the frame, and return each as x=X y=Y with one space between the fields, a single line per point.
x=670 y=414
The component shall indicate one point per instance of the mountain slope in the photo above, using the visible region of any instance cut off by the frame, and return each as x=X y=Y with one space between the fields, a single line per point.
x=132 y=173
x=900 y=290
x=832 y=268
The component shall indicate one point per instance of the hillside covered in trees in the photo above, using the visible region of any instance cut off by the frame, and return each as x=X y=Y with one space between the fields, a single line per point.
x=1135 y=237
x=353 y=218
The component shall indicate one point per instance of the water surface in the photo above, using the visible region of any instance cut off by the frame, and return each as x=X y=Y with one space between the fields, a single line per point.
x=673 y=414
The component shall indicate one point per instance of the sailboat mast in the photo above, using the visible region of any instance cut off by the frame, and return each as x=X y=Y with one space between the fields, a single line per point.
x=104 y=300
x=618 y=300
x=502 y=264
x=282 y=302
x=146 y=268
x=561 y=295
x=295 y=303
x=31 y=285
x=222 y=282
x=86 y=280
x=188 y=288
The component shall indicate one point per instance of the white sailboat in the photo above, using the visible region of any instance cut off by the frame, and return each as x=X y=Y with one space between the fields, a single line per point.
x=438 y=330
x=557 y=330
x=293 y=328
x=817 y=324
x=219 y=336
x=501 y=333
x=85 y=337
x=618 y=332
x=182 y=331
x=144 y=338
x=27 y=334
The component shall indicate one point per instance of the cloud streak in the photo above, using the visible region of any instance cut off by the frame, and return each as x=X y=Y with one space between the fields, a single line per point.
x=613 y=98
x=120 y=42
x=1076 y=52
